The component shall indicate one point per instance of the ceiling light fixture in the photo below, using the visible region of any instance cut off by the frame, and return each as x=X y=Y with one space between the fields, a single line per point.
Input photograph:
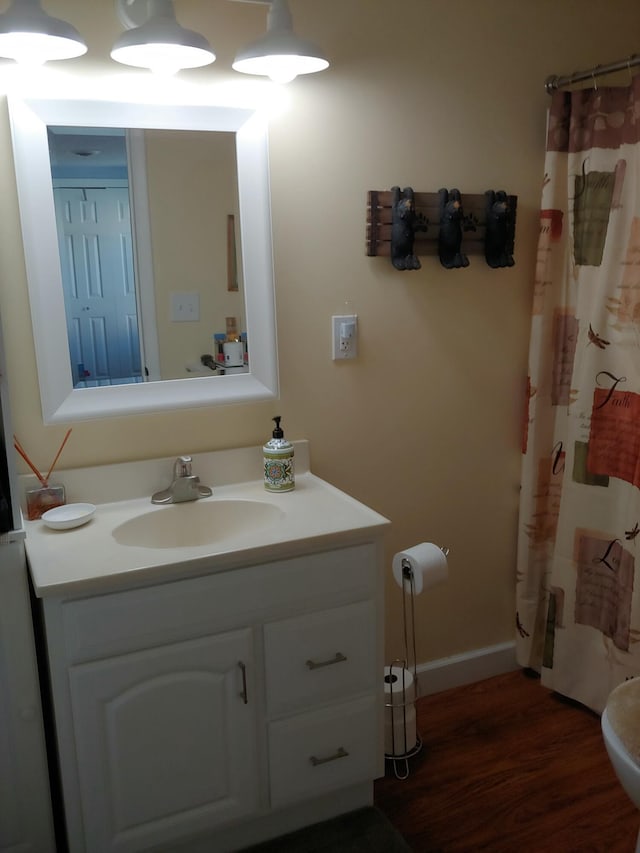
x=280 y=54
x=31 y=36
x=155 y=40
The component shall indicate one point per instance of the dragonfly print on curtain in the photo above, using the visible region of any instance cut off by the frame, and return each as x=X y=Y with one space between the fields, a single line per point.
x=578 y=598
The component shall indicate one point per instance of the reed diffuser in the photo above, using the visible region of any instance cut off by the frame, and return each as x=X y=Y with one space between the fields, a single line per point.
x=46 y=496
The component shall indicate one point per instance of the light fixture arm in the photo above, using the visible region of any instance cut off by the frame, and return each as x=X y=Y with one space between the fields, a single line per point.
x=161 y=7
x=135 y=13
x=279 y=16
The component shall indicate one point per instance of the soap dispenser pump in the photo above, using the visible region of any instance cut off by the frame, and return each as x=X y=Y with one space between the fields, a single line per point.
x=278 y=461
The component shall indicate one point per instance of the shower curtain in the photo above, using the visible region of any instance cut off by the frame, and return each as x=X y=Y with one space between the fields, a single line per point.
x=578 y=603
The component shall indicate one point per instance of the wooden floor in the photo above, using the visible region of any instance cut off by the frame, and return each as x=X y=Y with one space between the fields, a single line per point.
x=507 y=766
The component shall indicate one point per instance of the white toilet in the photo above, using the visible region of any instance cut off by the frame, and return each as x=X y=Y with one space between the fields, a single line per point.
x=621 y=732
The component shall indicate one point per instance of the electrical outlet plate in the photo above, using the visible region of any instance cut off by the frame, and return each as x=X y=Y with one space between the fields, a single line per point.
x=344 y=328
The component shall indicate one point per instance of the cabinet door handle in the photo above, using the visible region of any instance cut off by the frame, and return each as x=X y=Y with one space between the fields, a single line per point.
x=243 y=693
x=338 y=658
x=340 y=753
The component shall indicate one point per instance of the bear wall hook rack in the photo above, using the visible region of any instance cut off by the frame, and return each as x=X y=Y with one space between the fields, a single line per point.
x=405 y=225
x=500 y=223
x=451 y=228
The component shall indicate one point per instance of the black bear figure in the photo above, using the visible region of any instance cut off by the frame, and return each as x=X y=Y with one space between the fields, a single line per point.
x=499 y=236
x=404 y=224
x=450 y=237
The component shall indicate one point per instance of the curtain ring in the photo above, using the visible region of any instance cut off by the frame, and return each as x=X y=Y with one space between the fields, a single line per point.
x=593 y=77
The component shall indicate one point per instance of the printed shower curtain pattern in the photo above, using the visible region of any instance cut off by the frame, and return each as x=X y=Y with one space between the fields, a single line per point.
x=578 y=601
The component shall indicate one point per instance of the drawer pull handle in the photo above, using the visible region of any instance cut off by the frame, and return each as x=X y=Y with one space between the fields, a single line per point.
x=339 y=658
x=243 y=694
x=341 y=753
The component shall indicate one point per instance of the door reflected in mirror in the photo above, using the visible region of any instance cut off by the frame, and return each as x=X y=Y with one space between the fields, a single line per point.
x=149 y=255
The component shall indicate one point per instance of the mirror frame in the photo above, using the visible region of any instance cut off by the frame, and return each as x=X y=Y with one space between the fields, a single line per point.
x=60 y=401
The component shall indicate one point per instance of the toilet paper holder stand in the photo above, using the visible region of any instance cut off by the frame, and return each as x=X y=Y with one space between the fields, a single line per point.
x=402 y=752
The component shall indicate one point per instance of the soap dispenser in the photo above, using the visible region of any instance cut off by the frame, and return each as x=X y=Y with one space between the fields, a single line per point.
x=278 y=461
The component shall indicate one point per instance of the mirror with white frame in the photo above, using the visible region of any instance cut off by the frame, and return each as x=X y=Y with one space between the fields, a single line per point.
x=30 y=122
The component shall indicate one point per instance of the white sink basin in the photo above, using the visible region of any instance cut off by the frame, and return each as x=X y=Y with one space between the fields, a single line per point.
x=196 y=523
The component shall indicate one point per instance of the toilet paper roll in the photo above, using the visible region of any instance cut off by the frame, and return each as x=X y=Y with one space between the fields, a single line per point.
x=400 y=731
x=399 y=686
x=428 y=564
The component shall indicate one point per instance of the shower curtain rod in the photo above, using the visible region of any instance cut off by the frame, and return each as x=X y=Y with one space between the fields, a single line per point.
x=555 y=82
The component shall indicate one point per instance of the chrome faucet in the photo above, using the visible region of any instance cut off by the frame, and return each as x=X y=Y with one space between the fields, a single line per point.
x=186 y=486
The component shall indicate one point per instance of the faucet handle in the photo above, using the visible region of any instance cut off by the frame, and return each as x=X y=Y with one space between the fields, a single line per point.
x=182 y=467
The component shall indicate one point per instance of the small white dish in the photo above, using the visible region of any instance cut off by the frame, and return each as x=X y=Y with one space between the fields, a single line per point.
x=68 y=516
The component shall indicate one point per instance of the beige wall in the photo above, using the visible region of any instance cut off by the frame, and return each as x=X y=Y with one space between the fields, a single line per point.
x=197 y=172
x=425 y=425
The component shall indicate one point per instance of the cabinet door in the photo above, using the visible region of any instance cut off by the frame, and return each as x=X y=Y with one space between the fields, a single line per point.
x=165 y=741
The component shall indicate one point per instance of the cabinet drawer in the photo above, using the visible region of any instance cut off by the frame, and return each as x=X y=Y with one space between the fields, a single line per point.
x=323 y=750
x=320 y=657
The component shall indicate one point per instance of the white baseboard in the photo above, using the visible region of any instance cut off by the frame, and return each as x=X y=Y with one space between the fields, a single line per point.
x=466 y=668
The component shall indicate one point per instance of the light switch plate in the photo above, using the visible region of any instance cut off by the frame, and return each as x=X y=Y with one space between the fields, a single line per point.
x=185 y=307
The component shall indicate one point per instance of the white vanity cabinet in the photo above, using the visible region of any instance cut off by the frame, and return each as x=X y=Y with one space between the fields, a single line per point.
x=211 y=712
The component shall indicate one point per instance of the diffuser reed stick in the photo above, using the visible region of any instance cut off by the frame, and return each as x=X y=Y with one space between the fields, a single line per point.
x=23 y=453
x=44 y=481
x=53 y=464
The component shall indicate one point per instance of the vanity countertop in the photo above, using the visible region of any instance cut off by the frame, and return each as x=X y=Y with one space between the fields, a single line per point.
x=89 y=560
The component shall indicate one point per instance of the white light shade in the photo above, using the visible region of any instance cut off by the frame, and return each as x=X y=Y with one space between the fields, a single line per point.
x=161 y=44
x=29 y=35
x=280 y=54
